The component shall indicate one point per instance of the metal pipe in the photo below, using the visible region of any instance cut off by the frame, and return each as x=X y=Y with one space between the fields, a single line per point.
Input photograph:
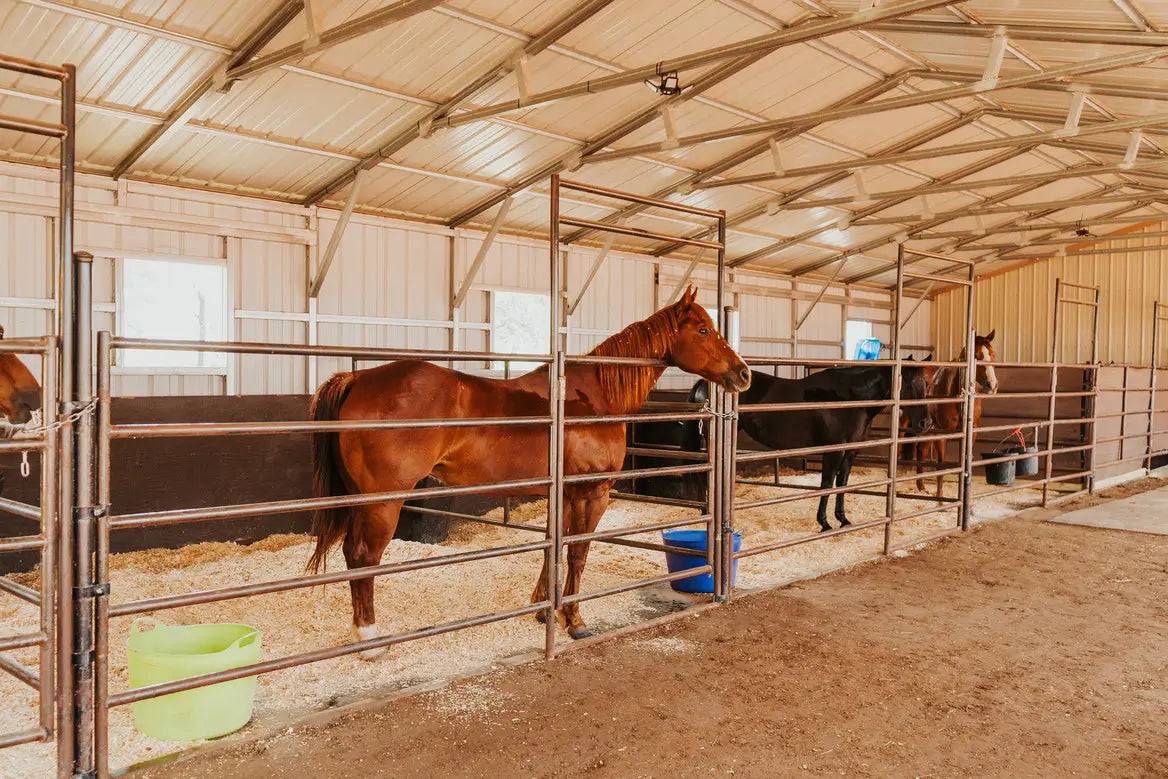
x=635 y=232
x=185 y=599
x=20 y=671
x=894 y=413
x=762 y=44
x=616 y=533
x=233 y=511
x=1152 y=381
x=190 y=683
x=32 y=68
x=556 y=391
x=205 y=429
x=637 y=585
x=23 y=737
x=1054 y=358
x=363 y=353
x=26 y=594
x=65 y=362
x=22 y=641
x=17 y=124
x=1024 y=32
x=653 y=202
x=21 y=543
x=20 y=509
x=49 y=595
x=965 y=486
x=839 y=531
x=101 y=557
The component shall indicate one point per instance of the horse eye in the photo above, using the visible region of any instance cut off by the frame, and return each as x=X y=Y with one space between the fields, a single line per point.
x=704 y=331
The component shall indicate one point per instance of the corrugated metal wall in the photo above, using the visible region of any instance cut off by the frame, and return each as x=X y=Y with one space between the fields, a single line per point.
x=1020 y=304
x=391 y=283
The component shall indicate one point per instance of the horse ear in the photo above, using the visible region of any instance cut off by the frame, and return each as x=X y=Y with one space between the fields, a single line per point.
x=991 y=335
x=691 y=294
x=928 y=359
x=910 y=358
x=1 y=331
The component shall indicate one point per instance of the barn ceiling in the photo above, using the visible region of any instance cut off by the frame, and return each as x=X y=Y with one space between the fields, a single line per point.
x=828 y=132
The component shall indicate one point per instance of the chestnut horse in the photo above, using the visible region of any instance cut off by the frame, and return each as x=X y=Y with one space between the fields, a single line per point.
x=365 y=461
x=948 y=383
x=20 y=395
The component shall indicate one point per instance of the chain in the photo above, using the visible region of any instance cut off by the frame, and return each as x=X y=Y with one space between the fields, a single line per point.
x=34 y=427
x=708 y=409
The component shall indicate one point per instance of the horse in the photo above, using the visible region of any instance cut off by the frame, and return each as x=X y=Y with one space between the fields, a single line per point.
x=948 y=383
x=821 y=427
x=365 y=461
x=20 y=395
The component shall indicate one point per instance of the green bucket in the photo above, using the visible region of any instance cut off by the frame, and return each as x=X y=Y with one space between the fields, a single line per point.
x=160 y=653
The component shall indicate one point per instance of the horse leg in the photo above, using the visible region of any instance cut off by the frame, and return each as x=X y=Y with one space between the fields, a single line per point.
x=541 y=592
x=368 y=536
x=939 y=463
x=586 y=517
x=841 y=480
x=920 y=453
x=831 y=463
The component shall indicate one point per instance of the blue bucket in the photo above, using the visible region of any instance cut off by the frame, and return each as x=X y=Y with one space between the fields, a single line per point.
x=696 y=540
x=868 y=349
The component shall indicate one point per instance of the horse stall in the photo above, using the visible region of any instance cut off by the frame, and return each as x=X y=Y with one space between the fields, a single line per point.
x=243 y=320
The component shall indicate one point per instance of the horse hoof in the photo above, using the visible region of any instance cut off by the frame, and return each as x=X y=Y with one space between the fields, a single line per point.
x=364 y=633
x=578 y=633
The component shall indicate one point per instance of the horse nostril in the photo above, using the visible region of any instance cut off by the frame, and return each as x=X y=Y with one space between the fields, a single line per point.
x=744 y=374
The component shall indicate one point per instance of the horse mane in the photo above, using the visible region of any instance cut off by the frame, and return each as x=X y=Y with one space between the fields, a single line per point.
x=627 y=386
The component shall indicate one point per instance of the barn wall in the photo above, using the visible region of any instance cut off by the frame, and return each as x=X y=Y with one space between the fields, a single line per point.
x=390 y=285
x=1019 y=304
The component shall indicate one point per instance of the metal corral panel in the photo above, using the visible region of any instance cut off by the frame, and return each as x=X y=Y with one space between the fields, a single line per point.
x=1019 y=303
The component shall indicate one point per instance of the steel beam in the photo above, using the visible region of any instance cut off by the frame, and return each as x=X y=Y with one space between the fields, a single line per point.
x=178 y=116
x=353 y=28
x=335 y=240
x=1092 y=88
x=1087 y=252
x=1056 y=205
x=1023 y=228
x=739 y=157
x=1025 y=32
x=484 y=247
x=764 y=44
x=879 y=206
x=1129 y=59
x=1033 y=139
x=399 y=140
x=612 y=134
x=601 y=256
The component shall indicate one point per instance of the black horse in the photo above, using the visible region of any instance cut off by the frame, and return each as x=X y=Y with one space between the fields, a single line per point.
x=822 y=427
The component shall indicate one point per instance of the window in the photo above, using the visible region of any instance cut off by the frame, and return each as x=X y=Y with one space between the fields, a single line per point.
x=520 y=323
x=176 y=300
x=857 y=330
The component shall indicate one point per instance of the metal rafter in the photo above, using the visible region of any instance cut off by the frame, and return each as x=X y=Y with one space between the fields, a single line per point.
x=1026 y=32
x=1056 y=205
x=809 y=31
x=354 y=28
x=739 y=157
x=401 y=139
x=1096 y=88
x=1032 y=139
x=1120 y=218
x=612 y=134
x=1113 y=62
x=903 y=145
x=252 y=44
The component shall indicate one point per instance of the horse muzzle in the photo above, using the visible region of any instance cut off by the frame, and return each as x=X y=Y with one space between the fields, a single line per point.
x=737 y=379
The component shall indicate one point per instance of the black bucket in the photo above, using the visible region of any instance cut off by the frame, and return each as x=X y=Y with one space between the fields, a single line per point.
x=1000 y=473
x=1027 y=466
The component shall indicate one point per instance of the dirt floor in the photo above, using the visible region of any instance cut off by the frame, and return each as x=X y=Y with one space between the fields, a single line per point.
x=1023 y=648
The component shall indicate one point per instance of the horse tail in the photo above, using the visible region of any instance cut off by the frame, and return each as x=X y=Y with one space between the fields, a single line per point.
x=329 y=525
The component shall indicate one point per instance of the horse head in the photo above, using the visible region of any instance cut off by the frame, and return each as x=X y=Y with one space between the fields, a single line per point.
x=914 y=385
x=700 y=349
x=983 y=352
x=20 y=395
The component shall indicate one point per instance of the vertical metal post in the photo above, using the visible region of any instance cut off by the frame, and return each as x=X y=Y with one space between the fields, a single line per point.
x=66 y=747
x=1152 y=385
x=101 y=565
x=729 y=455
x=894 y=410
x=49 y=529
x=83 y=516
x=1093 y=400
x=1054 y=361
x=969 y=388
x=1123 y=413
x=555 y=509
x=715 y=483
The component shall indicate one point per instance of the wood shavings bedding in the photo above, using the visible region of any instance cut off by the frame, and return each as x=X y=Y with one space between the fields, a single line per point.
x=307 y=619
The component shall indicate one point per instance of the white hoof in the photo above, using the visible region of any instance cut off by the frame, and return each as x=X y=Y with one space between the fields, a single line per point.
x=365 y=633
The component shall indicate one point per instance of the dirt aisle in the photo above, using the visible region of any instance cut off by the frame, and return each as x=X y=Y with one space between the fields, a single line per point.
x=1021 y=649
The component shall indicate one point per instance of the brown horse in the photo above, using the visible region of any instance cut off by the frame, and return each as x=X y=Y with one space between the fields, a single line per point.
x=948 y=383
x=20 y=395
x=364 y=461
